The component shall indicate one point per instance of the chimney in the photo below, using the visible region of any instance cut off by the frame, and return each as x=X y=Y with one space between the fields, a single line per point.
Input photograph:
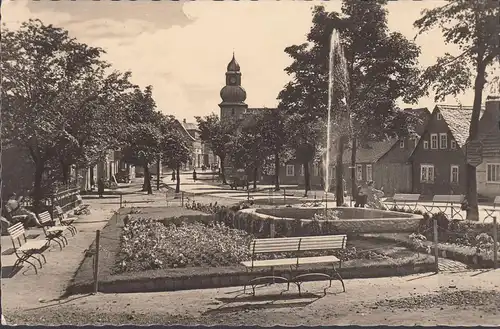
x=492 y=108
x=184 y=120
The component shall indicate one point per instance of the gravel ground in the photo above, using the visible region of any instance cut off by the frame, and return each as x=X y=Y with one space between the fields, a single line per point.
x=453 y=308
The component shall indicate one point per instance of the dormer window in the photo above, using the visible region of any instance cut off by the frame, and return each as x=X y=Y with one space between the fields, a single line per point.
x=438 y=116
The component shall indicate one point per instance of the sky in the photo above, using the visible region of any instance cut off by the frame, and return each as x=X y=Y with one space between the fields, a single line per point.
x=182 y=48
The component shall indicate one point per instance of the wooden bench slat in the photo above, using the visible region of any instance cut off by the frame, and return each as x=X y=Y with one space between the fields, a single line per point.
x=44 y=217
x=16 y=230
x=406 y=197
x=292 y=261
x=448 y=198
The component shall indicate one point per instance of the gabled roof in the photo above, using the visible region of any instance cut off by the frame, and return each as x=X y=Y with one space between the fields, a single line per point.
x=370 y=153
x=419 y=119
x=190 y=125
x=458 y=119
x=184 y=131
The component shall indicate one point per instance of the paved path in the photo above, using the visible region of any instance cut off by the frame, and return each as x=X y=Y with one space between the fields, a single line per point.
x=51 y=281
x=266 y=192
x=208 y=188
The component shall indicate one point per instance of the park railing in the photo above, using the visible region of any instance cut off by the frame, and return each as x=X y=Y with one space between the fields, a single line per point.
x=65 y=196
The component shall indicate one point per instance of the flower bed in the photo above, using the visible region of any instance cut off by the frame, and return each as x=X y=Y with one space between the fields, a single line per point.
x=149 y=244
x=360 y=258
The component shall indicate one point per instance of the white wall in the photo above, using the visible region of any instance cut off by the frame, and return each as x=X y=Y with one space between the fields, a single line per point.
x=483 y=187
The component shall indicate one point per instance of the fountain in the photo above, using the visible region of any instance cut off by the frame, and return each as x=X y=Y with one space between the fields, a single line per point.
x=336 y=51
x=348 y=219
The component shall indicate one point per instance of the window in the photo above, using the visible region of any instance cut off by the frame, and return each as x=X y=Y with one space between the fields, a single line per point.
x=301 y=170
x=493 y=173
x=290 y=170
x=232 y=111
x=438 y=116
x=454 y=174
x=453 y=144
x=426 y=173
x=402 y=144
x=426 y=145
x=434 y=141
x=369 y=172
x=359 y=172
x=443 y=141
x=271 y=172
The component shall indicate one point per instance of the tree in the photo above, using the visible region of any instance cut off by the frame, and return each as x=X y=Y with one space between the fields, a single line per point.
x=175 y=151
x=142 y=133
x=474 y=27
x=59 y=103
x=274 y=136
x=249 y=149
x=217 y=134
x=380 y=68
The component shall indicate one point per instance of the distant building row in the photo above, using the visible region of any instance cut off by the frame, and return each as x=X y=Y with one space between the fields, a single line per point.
x=431 y=161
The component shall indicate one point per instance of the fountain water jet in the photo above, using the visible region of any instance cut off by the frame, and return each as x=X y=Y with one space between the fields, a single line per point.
x=336 y=51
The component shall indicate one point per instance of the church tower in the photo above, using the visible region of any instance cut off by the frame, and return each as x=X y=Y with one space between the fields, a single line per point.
x=233 y=95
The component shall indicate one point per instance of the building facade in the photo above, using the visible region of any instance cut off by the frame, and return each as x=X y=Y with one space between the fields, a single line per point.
x=488 y=172
x=439 y=159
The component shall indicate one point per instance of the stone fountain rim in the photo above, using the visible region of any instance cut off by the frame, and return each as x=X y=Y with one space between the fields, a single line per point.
x=265 y=216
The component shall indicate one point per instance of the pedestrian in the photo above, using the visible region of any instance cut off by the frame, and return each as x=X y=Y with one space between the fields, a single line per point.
x=173 y=175
x=194 y=175
x=373 y=196
x=100 y=187
x=361 y=196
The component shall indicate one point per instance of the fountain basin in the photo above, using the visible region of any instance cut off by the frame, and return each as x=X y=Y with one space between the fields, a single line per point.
x=350 y=221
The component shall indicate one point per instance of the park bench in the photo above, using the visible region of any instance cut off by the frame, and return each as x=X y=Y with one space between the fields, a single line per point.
x=53 y=232
x=494 y=208
x=406 y=201
x=25 y=249
x=238 y=182
x=65 y=220
x=443 y=202
x=296 y=246
x=80 y=206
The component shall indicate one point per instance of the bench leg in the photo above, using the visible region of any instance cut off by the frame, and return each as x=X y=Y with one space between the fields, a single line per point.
x=339 y=277
x=51 y=238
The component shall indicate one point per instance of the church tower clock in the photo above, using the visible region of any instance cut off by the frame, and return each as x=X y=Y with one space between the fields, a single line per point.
x=233 y=95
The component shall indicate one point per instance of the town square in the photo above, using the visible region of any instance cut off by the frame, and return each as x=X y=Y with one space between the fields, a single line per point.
x=250 y=163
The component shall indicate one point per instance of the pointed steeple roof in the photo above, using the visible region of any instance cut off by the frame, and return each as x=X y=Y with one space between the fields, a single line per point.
x=233 y=65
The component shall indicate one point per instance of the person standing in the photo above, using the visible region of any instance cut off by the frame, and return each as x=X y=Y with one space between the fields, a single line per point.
x=373 y=196
x=173 y=175
x=194 y=175
x=100 y=187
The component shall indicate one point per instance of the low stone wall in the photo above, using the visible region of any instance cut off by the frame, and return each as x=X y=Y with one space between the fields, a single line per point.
x=206 y=278
x=402 y=223
x=342 y=212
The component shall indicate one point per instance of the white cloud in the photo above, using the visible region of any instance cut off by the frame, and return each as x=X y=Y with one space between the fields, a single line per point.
x=186 y=63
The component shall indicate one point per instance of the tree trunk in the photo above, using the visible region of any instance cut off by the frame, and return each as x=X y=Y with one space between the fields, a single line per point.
x=222 y=171
x=339 y=173
x=65 y=172
x=147 y=180
x=276 y=171
x=37 y=187
x=178 y=183
x=353 y=167
x=307 y=178
x=255 y=174
x=471 y=179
